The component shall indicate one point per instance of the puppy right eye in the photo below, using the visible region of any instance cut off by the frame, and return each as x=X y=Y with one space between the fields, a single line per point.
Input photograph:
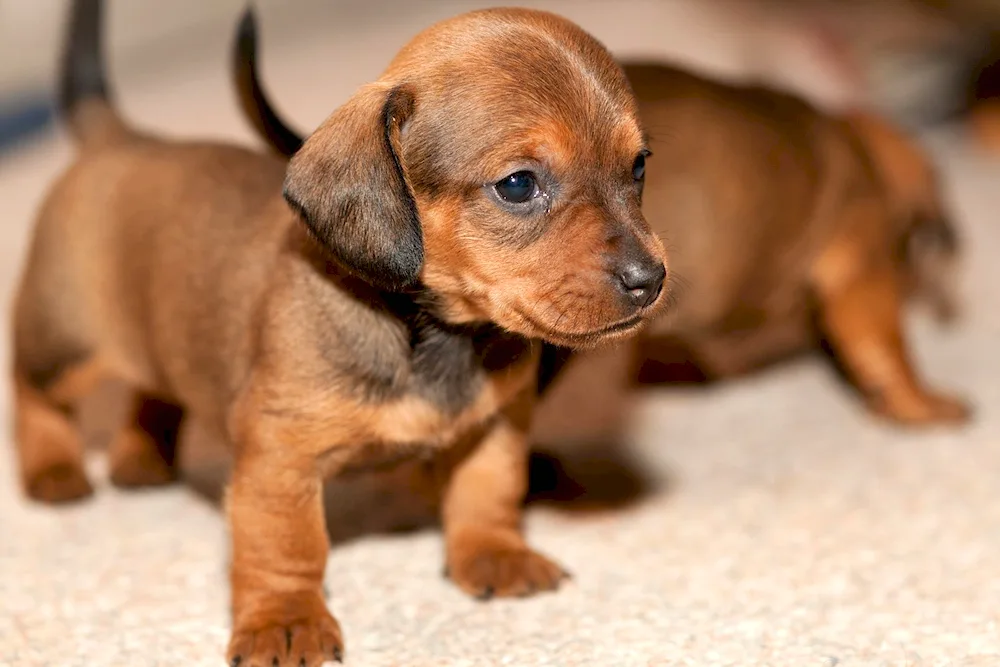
x=518 y=188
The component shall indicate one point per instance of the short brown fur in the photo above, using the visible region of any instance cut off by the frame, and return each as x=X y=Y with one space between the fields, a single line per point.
x=788 y=227
x=394 y=309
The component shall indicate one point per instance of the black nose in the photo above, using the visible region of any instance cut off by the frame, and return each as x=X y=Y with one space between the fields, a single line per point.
x=642 y=281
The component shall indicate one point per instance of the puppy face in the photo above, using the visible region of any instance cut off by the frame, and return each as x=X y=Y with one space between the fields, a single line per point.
x=499 y=163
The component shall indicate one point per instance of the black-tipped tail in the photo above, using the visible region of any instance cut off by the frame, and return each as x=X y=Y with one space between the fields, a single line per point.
x=83 y=60
x=83 y=95
x=253 y=100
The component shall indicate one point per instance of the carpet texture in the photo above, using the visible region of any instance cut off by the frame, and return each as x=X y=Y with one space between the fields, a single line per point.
x=768 y=521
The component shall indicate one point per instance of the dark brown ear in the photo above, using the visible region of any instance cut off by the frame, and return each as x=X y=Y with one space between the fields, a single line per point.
x=348 y=184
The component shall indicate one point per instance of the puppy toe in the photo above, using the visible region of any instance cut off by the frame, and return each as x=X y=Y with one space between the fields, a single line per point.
x=304 y=642
x=924 y=410
x=503 y=568
x=59 y=483
x=143 y=468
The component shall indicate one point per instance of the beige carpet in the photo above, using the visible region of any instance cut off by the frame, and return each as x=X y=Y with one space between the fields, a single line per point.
x=778 y=525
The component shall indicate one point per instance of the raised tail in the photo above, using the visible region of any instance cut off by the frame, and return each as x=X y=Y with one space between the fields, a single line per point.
x=253 y=100
x=84 y=100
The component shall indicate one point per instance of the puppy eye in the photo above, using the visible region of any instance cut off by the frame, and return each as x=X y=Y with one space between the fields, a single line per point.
x=639 y=166
x=517 y=188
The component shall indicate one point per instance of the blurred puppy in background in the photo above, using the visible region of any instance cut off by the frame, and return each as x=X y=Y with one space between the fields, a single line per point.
x=789 y=228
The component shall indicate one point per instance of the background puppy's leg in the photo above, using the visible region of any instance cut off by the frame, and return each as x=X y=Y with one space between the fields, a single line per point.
x=144 y=451
x=49 y=446
x=667 y=360
x=861 y=319
x=482 y=504
x=54 y=366
x=279 y=553
x=736 y=353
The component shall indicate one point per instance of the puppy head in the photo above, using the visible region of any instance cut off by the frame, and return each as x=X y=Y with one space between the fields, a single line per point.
x=926 y=240
x=498 y=163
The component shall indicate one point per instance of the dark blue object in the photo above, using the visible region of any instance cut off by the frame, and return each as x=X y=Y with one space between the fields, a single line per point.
x=22 y=120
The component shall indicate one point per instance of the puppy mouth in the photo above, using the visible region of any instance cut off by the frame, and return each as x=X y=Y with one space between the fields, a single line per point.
x=583 y=337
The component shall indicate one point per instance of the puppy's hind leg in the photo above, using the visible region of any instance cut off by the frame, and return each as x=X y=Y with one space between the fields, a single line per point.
x=144 y=451
x=47 y=436
x=861 y=318
x=55 y=365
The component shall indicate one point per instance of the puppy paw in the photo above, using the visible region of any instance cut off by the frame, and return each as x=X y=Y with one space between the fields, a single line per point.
x=135 y=463
x=287 y=639
x=498 y=564
x=59 y=483
x=924 y=409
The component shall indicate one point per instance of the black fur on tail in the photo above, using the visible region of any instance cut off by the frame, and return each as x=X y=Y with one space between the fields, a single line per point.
x=82 y=76
x=256 y=107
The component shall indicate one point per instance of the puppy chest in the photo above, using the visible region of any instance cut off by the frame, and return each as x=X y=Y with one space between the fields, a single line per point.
x=411 y=395
x=411 y=429
x=444 y=405
x=455 y=368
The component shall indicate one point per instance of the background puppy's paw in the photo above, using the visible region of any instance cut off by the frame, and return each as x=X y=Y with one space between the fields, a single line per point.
x=60 y=483
x=497 y=564
x=135 y=463
x=925 y=409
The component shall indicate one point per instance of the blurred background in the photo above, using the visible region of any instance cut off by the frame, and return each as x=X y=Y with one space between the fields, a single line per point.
x=925 y=61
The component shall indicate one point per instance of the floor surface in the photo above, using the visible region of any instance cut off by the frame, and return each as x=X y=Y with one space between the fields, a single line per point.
x=779 y=525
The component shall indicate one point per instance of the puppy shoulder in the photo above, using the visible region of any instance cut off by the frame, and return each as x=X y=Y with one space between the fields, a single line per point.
x=324 y=330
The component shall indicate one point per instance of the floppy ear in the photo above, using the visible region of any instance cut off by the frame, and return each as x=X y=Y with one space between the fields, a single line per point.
x=348 y=184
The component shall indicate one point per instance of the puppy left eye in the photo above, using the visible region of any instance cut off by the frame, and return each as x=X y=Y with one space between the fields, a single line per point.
x=639 y=166
x=518 y=188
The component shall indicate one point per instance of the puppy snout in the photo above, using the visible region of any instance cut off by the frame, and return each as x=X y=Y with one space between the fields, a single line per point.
x=642 y=280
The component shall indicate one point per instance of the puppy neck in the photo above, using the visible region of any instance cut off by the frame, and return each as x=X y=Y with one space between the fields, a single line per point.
x=421 y=352
x=451 y=362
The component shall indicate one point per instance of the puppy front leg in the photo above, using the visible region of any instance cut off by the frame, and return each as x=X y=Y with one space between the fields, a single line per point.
x=862 y=322
x=485 y=547
x=279 y=553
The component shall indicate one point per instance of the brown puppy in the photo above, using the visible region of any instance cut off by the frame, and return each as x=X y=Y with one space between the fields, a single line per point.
x=787 y=227
x=482 y=194
x=790 y=226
